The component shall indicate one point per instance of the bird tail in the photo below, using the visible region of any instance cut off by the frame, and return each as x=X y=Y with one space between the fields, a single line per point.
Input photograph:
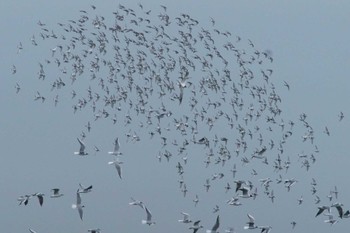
x=74 y=206
x=144 y=222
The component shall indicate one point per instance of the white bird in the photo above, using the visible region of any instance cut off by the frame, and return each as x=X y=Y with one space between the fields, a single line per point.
x=56 y=193
x=117 y=166
x=116 y=148
x=82 y=148
x=215 y=227
x=251 y=223
x=78 y=206
x=148 y=218
x=186 y=218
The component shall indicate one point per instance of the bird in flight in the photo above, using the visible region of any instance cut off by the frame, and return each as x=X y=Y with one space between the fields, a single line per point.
x=78 y=205
x=56 y=193
x=117 y=166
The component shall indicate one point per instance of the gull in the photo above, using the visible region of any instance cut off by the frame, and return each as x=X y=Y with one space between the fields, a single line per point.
x=251 y=223
x=341 y=116
x=18 y=88
x=289 y=183
x=32 y=231
x=19 y=47
x=286 y=85
x=234 y=170
x=207 y=185
x=182 y=85
x=117 y=166
x=148 y=220
x=195 y=226
x=272 y=196
x=216 y=209
x=186 y=218
x=82 y=149
x=84 y=189
x=98 y=230
x=215 y=227
x=293 y=224
x=78 y=205
x=300 y=200
x=330 y=219
x=335 y=192
x=326 y=131
x=24 y=199
x=233 y=201
x=14 y=69
x=138 y=203
x=317 y=200
x=227 y=187
x=40 y=197
x=196 y=200
x=56 y=193
x=116 y=148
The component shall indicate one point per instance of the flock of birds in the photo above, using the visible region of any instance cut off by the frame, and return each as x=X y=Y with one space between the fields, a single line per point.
x=182 y=86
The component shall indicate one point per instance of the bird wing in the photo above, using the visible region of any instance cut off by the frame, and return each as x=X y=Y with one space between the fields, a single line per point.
x=186 y=215
x=78 y=198
x=251 y=218
x=196 y=223
x=149 y=215
x=116 y=145
x=340 y=211
x=320 y=210
x=80 y=210
x=216 y=225
x=119 y=169
x=82 y=146
x=41 y=199
x=55 y=191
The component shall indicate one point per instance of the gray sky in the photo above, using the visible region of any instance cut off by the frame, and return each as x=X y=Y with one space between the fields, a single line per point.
x=309 y=45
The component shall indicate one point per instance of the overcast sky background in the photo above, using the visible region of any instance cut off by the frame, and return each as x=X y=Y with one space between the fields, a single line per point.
x=309 y=41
